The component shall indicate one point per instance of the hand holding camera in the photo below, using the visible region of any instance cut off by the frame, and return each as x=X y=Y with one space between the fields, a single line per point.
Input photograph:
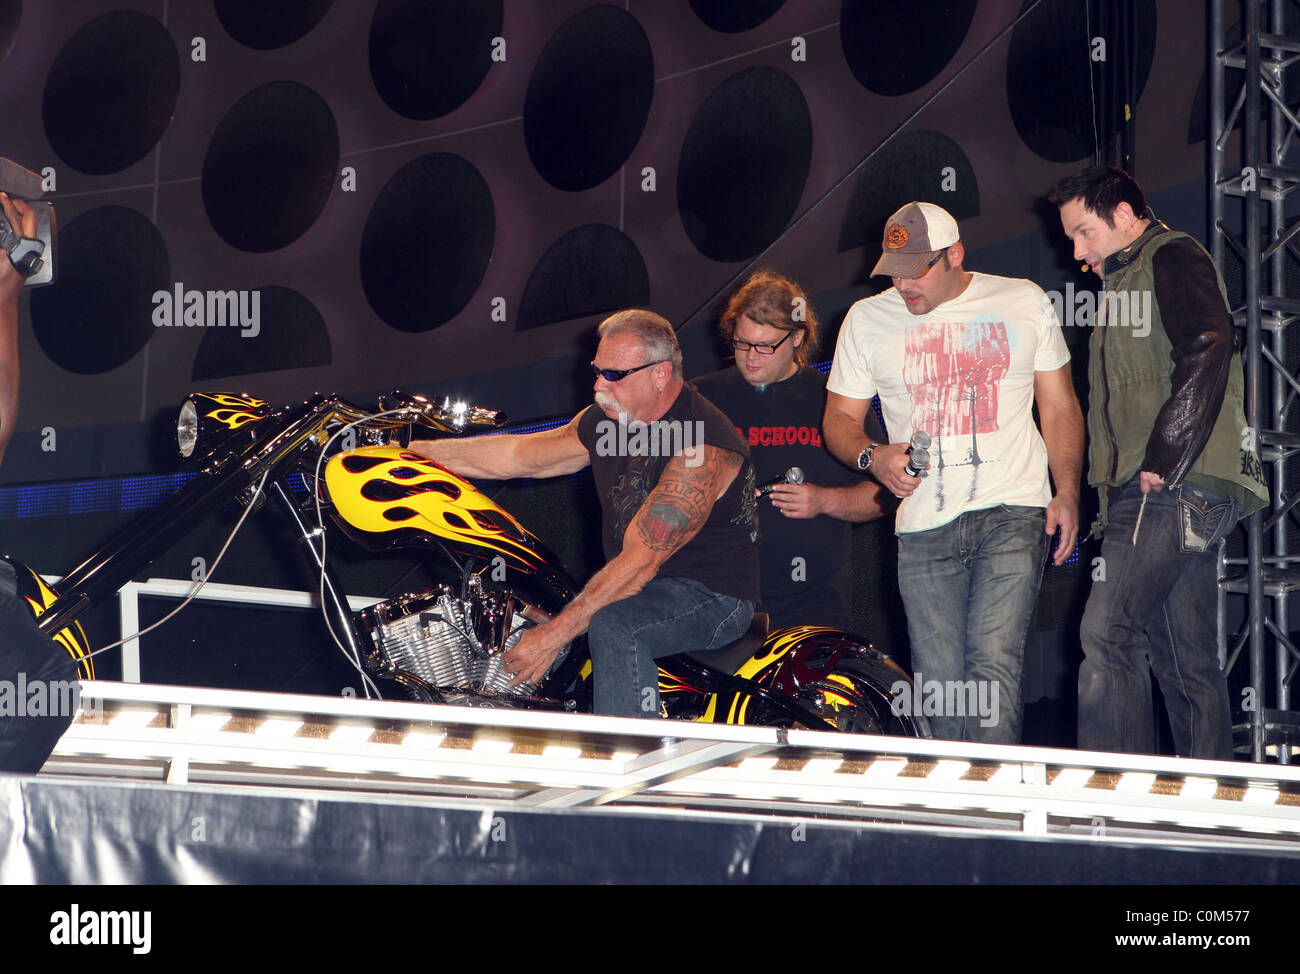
x=26 y=228
x=17 y=220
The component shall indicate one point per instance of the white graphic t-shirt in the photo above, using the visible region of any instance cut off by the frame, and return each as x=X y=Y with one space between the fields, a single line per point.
x=964 y=373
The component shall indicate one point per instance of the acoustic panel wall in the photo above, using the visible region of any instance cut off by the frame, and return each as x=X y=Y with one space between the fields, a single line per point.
x=286 y=197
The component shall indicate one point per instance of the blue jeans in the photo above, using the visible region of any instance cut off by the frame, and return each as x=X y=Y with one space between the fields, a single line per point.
x=668 y=616
x=1153 y=610
x=970 y=588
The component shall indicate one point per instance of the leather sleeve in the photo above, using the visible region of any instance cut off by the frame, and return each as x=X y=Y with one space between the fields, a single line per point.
x=1200 y=331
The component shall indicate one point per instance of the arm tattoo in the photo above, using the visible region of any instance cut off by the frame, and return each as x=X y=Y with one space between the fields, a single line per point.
x=682 y=500
x=662 y=526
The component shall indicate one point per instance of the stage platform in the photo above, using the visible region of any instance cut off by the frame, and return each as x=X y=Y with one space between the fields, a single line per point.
x=159 y=784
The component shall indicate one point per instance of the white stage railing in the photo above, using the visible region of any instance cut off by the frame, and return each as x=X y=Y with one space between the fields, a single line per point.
x=417 y=752
x=128 y=600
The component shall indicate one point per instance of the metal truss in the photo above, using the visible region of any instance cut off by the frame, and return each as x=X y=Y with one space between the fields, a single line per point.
x=1260 y=180
x=353 y=749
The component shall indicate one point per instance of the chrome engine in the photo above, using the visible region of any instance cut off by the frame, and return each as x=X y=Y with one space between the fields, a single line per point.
x=452 y=644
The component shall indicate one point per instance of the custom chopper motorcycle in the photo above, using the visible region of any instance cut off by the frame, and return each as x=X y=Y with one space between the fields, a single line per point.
x=445 y=644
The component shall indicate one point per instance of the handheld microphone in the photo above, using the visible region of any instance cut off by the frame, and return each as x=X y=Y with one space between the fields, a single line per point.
x=918 y=454
x=792 y=476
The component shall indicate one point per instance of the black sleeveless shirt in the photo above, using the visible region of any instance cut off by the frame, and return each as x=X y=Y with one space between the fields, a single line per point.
x=626 y=463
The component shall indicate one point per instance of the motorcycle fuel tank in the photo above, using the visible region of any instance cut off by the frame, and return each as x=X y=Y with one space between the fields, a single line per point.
x=385 y=492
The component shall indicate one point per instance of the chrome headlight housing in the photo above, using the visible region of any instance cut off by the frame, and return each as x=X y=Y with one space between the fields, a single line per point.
x=187 y=428
x=207 y=418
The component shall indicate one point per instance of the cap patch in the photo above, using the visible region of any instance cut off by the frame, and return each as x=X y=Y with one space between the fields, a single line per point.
x=896 y=236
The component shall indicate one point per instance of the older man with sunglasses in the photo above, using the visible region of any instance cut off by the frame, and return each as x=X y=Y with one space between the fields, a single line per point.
x=962 y=357
x=678 y=517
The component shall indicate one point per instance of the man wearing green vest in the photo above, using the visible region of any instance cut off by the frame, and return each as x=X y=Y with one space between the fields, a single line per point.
x=1175 y=466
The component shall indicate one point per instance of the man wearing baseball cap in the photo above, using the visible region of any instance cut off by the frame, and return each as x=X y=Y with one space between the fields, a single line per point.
x=963 y=357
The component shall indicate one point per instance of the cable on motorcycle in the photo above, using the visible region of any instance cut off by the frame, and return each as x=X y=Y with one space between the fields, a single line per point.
x=368 y=684
x=198 y=586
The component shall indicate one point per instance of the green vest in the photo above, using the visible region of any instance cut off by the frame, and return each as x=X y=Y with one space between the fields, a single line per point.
x=1129 y=370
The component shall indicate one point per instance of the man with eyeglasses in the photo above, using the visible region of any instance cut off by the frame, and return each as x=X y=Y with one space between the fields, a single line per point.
x=963 y=357
x=776 y=402
x=676 y=490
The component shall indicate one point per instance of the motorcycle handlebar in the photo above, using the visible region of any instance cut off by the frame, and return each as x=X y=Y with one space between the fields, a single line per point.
x=444 y=414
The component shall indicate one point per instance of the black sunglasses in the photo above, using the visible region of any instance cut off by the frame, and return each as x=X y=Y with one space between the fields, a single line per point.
x=926 y=269
x=618 y=375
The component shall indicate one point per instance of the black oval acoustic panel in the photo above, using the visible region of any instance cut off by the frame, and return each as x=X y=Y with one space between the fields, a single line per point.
x=100 y=313
x=588 y=98
x=428 y=56
x=271 y=166
x=896 y=48
x=735 y=16
x=1053 y=81
x=267 y=24
x=590 y=270
x=11 y=11
x=287 y=332
x=744 y=164
x=427 y=242
x=111 y=92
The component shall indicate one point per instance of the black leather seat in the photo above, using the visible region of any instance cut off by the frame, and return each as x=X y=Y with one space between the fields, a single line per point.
x=732 y=656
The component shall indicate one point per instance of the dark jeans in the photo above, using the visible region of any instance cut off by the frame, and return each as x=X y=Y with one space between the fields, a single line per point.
x=668 y=616
x=971 y=588
x=1154 y=611
x=29 y=660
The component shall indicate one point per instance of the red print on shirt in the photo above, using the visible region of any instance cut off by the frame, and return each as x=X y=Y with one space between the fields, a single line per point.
x=952 y=370
x=782 y=435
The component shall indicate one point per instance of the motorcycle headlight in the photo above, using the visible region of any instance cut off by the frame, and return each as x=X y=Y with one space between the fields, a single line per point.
x=187 y=428
x=208 y=418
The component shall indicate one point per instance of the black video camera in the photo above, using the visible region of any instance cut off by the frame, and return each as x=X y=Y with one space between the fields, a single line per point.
x=32 y=257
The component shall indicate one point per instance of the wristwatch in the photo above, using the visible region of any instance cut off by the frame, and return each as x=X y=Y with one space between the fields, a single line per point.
x=864 y=458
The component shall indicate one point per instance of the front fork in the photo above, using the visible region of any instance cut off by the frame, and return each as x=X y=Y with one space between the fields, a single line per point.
x=338 y=613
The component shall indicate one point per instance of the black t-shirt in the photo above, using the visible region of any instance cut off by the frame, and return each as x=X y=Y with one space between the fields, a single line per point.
x=806 y=563
x=626 y=463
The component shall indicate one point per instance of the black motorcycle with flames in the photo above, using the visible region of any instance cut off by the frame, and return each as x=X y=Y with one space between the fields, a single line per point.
x=445 y=644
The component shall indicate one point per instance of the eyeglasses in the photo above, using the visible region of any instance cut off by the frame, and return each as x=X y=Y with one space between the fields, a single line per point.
x=758 y=347
x=618 y=375
x=926 y=270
